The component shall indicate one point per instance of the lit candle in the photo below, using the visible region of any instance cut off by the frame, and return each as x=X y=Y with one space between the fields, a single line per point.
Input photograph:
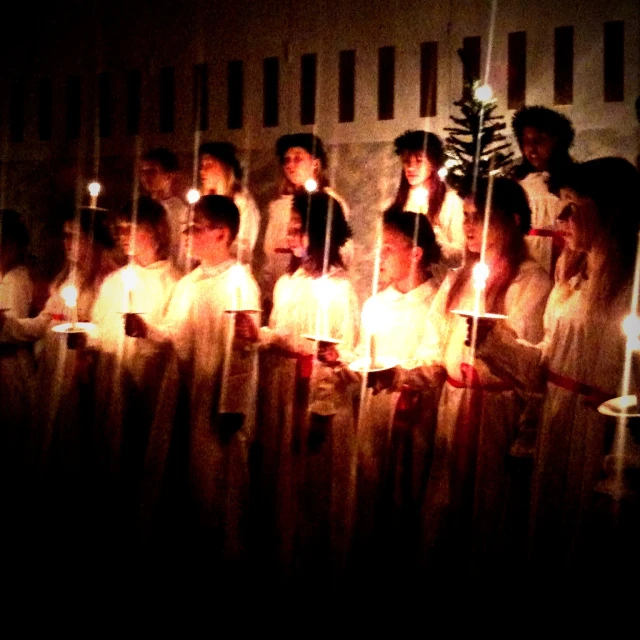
x=480 y=275
x=421 y=197
x=372 y=350
x=94 y=192
x=69 y=294
x=311 y=185
x=130 y=280
x=193 y=195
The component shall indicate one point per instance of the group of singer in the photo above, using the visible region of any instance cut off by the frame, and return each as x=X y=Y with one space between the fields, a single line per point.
x=204 y=372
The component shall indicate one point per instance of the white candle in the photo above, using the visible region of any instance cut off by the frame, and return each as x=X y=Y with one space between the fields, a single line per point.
x=372 y=350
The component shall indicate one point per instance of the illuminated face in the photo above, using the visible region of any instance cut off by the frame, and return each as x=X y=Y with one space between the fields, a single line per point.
x=577 y=221
x=145 y=250
x=537 y=147
x=153 y=179
x=472 y=226
x=215 y=176
x=416 y=166
x=395 y=257
x=84 y=243
x=299 y=166
x=297 y=241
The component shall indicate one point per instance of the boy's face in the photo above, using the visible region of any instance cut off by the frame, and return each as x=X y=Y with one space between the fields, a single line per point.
x=153 y=178
x=207 y=240
x=299 y=166
x=537 y=147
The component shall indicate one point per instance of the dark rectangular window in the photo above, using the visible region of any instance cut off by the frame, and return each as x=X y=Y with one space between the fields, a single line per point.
x=16 y=111
x=134 y=92
x=517 y=69
x=308 y=77
x=235 y=94
x=563 y=66
x=74 y=107
x=104 y=104
x=386 y=82
x=347 y=86
x=428 y=79
x=471 y=63
x=167 y=99
x=271 y=92
x=45 y=109
x=201 y=95
x=614 y=61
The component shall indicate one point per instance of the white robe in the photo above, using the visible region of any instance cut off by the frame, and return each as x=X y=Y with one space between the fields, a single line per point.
x=545 y=207
x=129 y=370
x=476 y=426
x=178 y=217
x=308 y=487
x=588 y=349
x=391 y=460
x=17 y=371
x=220 y=377
x=245 y=242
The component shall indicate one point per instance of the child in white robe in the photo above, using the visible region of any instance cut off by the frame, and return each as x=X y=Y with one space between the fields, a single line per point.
x=394 y=448
x=579 y=362
x=129 y=368
x=545 y=137
x=479 y=410
x=306 y=418
x=422 y=190
x=218 y=367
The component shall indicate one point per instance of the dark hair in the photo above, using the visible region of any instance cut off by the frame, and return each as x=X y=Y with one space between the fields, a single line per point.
x=547 y=121
x=153 y=215
x=14 y=233
x=314 y=210
x=431 y=145
x=220 y=212
x=93 y=225
x=405 y=222
x=614 y=186
x=307 y=141
x=225 y=152
x=167 y=160
x=510 y=209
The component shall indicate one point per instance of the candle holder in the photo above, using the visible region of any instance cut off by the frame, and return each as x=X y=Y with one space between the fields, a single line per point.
x=326 y=345
x=622 y=406
x=76 y=332
x=379 y=371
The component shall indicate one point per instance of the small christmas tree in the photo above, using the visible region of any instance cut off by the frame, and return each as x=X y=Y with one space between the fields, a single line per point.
x=461 y=143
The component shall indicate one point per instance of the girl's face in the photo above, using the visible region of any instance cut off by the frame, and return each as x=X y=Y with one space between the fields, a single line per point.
x=577 y=221
x=215 y=176
x=145 y=242
x=416 y=166
x=473 y=226
x=297 y=241
x=299 y=166
x=83 y=247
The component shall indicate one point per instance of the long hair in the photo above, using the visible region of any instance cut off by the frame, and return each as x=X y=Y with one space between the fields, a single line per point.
x=510 y=211
x=314 y=210
x=153 y=215
x=15 y=235
x=312 y=144
x=431 y=145
x=613 y=185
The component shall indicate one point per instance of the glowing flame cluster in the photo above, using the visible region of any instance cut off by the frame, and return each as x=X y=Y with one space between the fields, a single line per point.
x=69 y=294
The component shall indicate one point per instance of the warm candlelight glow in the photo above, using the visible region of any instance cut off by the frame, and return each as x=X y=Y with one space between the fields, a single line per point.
x=421 y=196
x=94 y=189
x=484 y=93
x=70 y=295
x=311 y=185
x=129 y=278
x=442 y=172
x=480 y=275
x=631 y=327
x=193 y=195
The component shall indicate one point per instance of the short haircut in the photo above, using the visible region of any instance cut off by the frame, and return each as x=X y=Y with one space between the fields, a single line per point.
x=546 y=120
x=314 y=209
x=167 y=160
x=220 y=212
x=152 y=214
x=405 y=223
x=224 y=152
x=307 y=141
x=425 y=141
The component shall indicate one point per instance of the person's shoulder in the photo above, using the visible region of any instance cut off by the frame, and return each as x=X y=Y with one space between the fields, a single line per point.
x=18 y=275
x=532 y=271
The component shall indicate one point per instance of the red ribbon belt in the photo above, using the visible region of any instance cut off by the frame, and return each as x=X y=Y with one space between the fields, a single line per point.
x=408 y=408
x=471 y=380
x=304 y=361
x=547 y=233
x=593 y=396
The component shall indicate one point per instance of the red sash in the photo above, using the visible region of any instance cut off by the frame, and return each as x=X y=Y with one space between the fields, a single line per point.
x=593 y=396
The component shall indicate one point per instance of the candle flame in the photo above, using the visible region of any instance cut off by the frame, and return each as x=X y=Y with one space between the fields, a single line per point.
x=442 y=172
x=484 y=93
x=631 y=328
x=69 y=294
x=129 y=278
x=193 y=195
x=311 y=185
x=480 y=275
x=94 y=189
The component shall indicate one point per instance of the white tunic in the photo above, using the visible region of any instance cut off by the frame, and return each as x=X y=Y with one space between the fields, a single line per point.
x=178 y=217
x=478 y=413
x=220 y=376
x=578 y=348
x=245 y=242
x=545 y=207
